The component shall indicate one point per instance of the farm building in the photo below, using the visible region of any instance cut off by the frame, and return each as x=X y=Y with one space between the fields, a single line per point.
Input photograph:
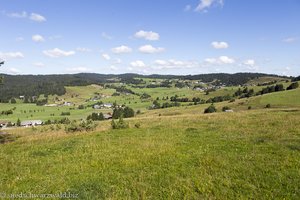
x=3 y=124
x=28 y=123
x=107 y=116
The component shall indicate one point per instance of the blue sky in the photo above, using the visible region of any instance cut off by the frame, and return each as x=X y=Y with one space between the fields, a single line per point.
x=143 y=36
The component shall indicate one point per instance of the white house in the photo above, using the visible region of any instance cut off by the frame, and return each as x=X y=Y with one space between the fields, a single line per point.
x=28 y=123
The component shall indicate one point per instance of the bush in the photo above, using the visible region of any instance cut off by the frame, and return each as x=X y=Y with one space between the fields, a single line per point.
x=225 y=108
x=210 y=109
x=249 y=107
x=81 y=107
x=5 y=137
x=268 y=105
x=74 y=126
x=293 y=86
x=137 y=125
x=65 y=113
x=96 y=117
x=13 y=100
x=120 y=124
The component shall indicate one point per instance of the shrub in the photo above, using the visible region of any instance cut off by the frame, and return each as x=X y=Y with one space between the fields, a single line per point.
x=137 y=125
x=293 y=86
x=268 y=105
x=210 y=109
x=249 y=107
x=74 y=126
x=4 y=138
x=65 y=113
x=120 y=124
x=13 y=100
x=225 y=108
x=81 y=107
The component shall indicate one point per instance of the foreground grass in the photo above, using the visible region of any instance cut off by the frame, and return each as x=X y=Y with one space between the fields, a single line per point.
x=242 y=155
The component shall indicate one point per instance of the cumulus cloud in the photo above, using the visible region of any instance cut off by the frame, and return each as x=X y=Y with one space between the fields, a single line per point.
x=38 y=38
x=105 y=56
x=174 y=64
x=10 y=55
x=220 y=60
x=56 y=53
x=219 y=45
x=251 y=65
x=78 y=70
x=37 y=17
x=39 y=64
x=138 y=64
x=150 y=49
x=12 y=70
x=83 y=49
x=121 y=49
x=147 y=35
x=249 y=62
x=205 y=4
x=290 y=39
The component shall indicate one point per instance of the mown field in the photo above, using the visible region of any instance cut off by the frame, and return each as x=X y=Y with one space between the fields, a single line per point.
x=245 y=155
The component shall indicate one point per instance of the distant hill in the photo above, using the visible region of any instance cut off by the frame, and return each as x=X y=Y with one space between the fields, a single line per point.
x=34 y=85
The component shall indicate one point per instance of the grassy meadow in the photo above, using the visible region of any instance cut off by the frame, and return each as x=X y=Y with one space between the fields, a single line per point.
x=253 y=154
x=176 y=153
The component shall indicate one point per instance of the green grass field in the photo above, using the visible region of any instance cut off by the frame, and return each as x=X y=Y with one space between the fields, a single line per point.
x=246 y=155
x=177 y=153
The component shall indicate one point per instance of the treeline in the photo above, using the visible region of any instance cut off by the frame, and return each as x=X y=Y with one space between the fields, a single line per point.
x=35 y=85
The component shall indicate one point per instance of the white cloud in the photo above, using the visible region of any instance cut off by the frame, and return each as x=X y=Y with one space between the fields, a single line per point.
x=106 y=36
x=37 y=17
x=249 y=62
x=11 y=55
x=150 y=49
x=11 y=70
x=205 y=4
x=78 y=70
x=138 y=64
x=121 y=49
x=56 y=53
x=290 y=39
x=251 y=65
x=147 y=35
x=187 y=8
x=19 y=39
x=105 y=56
x=38 y=38
x=39 y=64
x=83 y=49
x=220 y=60
x=33 y=16
x=219 y=45
x=174 y=64
x=17 y=15
x=226 y=60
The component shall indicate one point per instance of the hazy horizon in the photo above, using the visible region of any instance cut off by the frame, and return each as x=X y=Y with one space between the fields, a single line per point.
x=150 y=37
